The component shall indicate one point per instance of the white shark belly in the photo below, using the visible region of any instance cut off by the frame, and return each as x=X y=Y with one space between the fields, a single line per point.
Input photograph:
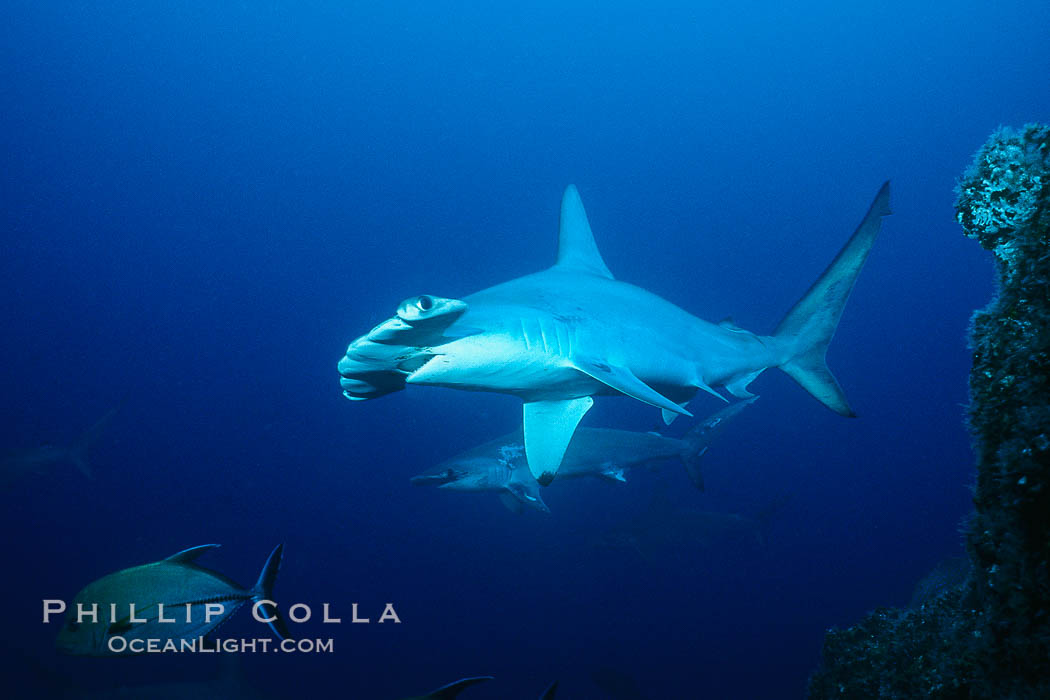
x=527 y=355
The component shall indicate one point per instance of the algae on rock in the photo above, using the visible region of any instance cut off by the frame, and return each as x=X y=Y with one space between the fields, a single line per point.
x=988 y=637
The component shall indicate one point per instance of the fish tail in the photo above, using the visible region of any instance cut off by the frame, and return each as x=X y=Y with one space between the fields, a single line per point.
x=699 y=439
x=765 y=516
x=263 y=590
x=808 y=328
x=78 y=450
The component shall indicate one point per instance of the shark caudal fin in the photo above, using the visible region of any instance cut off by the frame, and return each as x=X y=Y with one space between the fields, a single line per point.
x=809 y=326
x=263 y=590
x=79 y=448
x=699 y=439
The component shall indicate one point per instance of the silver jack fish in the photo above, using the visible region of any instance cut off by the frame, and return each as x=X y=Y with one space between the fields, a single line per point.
x=499 y=465
x=558 y=337
x=170 y=599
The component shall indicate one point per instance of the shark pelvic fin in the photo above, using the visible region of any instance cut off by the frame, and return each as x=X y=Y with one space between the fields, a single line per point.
x=624 y=381
x=526 y=494
x=548 y=428
x=738 y=388
x=576 y=248
x=701 y=384
x=669 y=416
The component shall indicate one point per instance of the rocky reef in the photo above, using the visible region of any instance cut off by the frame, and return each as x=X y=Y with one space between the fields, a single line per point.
x=988 y=636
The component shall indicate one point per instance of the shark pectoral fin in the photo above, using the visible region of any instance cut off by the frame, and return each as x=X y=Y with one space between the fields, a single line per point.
x=669 y=416
x=624 y=381
x=527 y=495
x=738 y=388
x=548 y=428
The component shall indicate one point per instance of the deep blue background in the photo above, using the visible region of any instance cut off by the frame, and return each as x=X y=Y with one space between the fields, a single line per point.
x=203 y=205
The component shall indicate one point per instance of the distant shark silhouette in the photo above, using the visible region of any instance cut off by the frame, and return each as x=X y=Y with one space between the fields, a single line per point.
x=452 y=690
x=558 y=337
x=17 y=464
x=498 y=466
x=664 y=528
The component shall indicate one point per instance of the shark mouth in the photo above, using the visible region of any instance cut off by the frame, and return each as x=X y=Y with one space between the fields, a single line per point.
x=442 y=478
x=371 y=369
x=413 y=364
x=380 y=361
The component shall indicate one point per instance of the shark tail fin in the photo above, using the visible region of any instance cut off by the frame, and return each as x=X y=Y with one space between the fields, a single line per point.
x=809 y=326
x=699 y=439
x=80 y=462
x=765 y=516
x=78 y=450
x=263 y=590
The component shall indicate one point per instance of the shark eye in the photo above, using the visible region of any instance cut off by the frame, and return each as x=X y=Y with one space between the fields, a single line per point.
x=425 y=303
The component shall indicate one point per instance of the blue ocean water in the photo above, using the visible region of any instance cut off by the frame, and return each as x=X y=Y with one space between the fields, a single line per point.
x=205 y=202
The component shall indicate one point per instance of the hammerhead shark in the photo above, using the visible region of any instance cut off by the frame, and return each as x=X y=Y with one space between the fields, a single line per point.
x=557 y=338
x=498 y=466
x=17 y=464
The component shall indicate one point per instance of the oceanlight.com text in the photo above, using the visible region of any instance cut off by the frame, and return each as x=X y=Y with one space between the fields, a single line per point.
x=263 y=645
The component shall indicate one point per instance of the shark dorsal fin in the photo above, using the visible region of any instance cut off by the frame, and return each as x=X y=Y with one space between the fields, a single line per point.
x=576 y=248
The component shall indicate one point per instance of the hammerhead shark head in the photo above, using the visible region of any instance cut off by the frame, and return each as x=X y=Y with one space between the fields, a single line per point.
x=557 y=338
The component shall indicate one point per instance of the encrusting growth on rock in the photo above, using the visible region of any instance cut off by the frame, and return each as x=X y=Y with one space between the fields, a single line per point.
x=988 y=636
